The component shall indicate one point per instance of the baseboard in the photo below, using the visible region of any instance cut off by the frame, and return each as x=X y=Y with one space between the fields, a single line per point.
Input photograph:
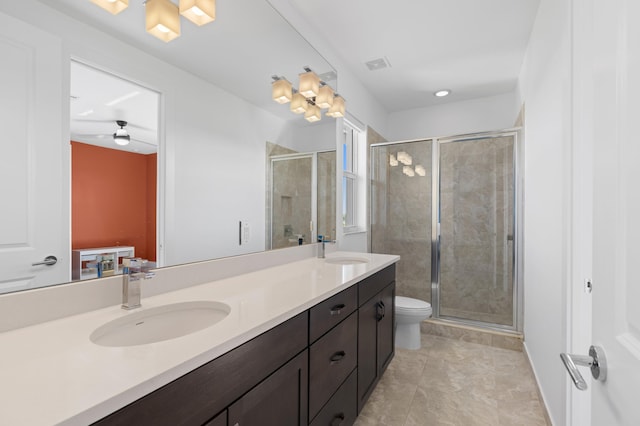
x=541 y=397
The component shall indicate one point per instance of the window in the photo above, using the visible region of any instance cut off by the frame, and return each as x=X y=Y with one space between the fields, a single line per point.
x=353 y=137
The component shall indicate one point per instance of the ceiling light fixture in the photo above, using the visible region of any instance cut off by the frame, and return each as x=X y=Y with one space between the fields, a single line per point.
x=323 y=96
x=162 y=17
x=442 y=93
x=112 y=6
x=121 y=137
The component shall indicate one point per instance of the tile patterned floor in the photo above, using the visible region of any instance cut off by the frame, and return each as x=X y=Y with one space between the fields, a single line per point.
x=454 y=383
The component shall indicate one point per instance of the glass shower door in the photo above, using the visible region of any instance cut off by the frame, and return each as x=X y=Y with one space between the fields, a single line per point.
x=476 y=213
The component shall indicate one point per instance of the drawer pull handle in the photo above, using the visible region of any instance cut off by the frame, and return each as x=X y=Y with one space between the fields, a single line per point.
x=337 y=420
x=336 y=309
x=337 y=357
x=379 y=311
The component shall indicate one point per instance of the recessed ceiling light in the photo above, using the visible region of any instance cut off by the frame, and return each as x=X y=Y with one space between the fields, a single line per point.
x=442 y=93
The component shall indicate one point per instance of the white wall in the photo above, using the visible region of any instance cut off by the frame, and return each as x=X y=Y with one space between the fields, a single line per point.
x=319 y=136
x=455 y=118
x=545 y=88
x=214 y=162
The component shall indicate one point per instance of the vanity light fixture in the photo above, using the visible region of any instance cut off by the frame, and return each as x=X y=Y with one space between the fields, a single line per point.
x=337 y=110
x=199 y=12
x=313 y=113
x=405 y=158
x=162 y=19
x=309 y=84
x=325 y=97
x=420 y=171
x=442 y=93
x=408 y=171
x=392 y=160
x=281 y=90
x=312 y=95
x=299 y=103
x=112 y=6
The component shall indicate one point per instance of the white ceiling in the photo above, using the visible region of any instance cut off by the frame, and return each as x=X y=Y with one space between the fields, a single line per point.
x=475 y=48
x=98 y=99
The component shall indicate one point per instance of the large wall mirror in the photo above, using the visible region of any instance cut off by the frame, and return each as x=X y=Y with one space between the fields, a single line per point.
x=204 y=172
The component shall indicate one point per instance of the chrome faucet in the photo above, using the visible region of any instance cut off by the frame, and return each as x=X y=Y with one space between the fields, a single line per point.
x=322 y=240
x=131 y=277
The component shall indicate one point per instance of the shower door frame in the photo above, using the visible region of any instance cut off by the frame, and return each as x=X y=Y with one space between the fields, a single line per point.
x=517 y=218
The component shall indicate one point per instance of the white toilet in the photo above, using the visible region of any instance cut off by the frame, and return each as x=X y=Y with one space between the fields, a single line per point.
x=409 y=314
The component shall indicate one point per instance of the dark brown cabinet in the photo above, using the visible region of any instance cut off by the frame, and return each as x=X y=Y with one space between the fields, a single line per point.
x=375 y=337
x=280 y=400
x=316 y=368
x=331 y=360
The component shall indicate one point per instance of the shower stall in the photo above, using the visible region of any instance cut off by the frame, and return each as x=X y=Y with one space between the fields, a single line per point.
x=301 y=198
x=448 y=207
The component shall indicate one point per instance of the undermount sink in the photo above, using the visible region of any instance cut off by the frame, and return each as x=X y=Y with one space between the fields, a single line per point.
x=346 y=260
x=160 y=323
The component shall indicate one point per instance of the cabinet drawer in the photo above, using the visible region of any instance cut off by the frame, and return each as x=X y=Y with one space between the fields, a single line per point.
x=341 y=410
x=372 y=285
x=327 y=314
x=331 y=359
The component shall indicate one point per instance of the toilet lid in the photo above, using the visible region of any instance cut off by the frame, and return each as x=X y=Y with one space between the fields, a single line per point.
x=410 y=303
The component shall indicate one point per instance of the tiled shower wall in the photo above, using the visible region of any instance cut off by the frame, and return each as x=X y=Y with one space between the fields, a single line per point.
x=401 y=216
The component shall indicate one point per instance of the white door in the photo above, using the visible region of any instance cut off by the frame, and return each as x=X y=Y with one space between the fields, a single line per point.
x=611 y=50
x=34 y=189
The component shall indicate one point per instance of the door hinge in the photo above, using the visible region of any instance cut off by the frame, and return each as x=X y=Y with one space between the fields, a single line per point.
x=588 y=286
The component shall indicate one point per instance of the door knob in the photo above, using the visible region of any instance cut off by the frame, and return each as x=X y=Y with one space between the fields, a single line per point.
x=49 y=261
x=596 y=361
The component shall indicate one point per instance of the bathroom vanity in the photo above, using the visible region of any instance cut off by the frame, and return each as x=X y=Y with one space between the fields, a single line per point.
x=317 y=368
x=304 y=343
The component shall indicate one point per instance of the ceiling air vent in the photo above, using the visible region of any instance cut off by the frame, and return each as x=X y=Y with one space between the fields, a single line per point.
x=378 y=64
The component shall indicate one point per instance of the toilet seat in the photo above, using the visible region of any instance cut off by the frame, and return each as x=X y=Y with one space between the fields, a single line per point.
x=410 y=306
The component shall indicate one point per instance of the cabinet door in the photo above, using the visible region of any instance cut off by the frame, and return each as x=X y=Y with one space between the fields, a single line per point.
x=367 y=349
x=280 y=400
x=386 y=330
x=375 y=340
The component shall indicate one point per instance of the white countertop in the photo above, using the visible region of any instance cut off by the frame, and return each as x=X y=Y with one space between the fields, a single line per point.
x=51 y=373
